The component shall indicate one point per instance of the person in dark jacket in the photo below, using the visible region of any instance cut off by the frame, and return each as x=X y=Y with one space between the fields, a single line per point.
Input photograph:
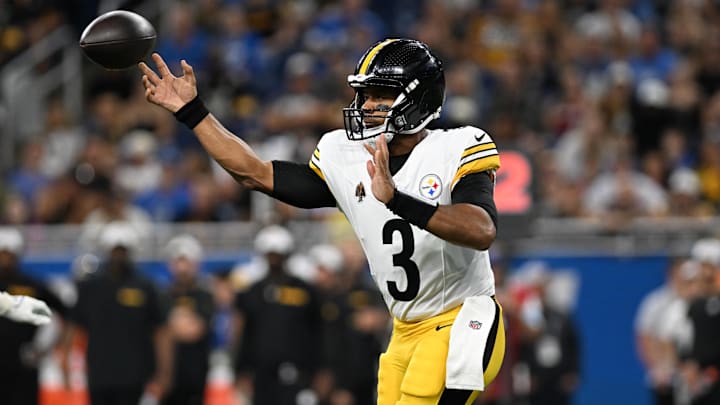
x=129 y=351
x=355 y=326
x=281 y=329
x=189 y=320
x=551 y=347
x=701 y=368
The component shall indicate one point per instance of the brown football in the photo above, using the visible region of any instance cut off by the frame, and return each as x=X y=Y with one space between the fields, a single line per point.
x=118 y=39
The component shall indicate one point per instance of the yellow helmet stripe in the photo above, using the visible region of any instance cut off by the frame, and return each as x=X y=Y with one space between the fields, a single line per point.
x=371 y=55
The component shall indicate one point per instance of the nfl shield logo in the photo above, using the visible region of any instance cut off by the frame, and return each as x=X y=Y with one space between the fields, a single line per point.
x=475 y=325
x=430 y=186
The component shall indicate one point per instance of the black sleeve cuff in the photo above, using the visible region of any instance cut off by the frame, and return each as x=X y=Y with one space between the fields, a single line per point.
x=192 y=113
x=415 y=211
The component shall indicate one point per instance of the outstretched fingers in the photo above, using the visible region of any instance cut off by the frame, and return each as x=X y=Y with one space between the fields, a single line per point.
x=149 y=86
x=382 y=155
x=161 y=65
x=370 y=163
x=147 y=83
x=148 y=73
x=188 y=71
x=371 y=169
x=149 y=93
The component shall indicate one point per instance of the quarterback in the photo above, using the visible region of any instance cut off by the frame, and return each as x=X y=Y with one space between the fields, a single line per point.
x=425 y=224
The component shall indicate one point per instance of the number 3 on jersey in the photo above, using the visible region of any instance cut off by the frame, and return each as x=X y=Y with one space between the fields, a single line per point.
x=402 y=259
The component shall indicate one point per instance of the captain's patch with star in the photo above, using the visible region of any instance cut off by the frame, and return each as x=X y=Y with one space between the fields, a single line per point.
x=430 y=186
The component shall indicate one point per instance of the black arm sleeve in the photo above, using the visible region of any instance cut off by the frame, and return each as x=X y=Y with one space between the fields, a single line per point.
x=476 y=189
x=296 y=184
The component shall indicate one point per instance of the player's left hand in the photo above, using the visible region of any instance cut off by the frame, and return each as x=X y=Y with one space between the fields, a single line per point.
x=383 y=186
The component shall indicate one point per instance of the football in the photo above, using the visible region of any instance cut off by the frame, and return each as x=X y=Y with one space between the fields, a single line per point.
x=118 y=39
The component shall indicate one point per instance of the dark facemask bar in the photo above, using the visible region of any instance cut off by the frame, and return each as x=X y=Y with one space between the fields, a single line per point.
x=354 y=117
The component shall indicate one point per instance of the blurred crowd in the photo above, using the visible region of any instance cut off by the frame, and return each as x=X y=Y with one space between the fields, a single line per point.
x=614 y=102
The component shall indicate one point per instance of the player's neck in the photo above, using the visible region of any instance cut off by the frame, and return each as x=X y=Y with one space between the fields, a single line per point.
x=404 y=144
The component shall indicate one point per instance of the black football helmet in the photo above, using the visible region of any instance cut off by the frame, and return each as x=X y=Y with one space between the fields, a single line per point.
x=408 y=66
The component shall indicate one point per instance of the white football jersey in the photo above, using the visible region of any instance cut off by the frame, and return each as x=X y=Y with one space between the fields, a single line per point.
x=419 y=274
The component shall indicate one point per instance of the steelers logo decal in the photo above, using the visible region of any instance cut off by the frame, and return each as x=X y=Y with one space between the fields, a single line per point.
x=430 y=186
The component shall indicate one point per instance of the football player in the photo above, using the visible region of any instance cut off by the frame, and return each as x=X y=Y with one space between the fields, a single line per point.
x=425 y=229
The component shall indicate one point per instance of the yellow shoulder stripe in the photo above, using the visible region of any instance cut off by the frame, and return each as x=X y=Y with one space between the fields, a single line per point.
x=478 y=148
x=475 y=166
x=317 y=170
x=317 y=153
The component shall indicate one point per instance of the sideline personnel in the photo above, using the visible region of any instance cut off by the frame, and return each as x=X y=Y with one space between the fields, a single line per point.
x=129 y=350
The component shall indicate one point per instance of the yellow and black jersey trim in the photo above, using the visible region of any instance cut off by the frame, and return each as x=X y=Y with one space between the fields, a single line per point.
x=315 y=164
x=477 y=158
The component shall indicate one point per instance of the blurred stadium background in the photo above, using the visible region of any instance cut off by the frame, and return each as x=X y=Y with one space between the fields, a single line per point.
x=607 y=113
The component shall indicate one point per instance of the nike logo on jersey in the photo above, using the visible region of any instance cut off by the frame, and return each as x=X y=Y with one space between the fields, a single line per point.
x=479 y=138
x=443 y=326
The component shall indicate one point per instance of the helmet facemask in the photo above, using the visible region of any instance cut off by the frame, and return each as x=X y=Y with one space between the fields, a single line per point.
x=399 y=118
x=355 y=117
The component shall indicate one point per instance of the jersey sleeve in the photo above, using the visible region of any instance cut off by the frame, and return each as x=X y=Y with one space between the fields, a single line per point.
x=296 y=184
x=477 y=189
x=478 y=153
x=301 y=185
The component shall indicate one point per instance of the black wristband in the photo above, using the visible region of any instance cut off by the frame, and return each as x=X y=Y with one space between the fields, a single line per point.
x=192 y=113
x=415 y=211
